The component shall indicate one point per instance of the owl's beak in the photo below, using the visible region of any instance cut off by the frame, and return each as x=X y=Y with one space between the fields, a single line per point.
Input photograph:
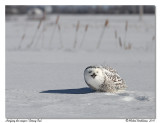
x=93 y=75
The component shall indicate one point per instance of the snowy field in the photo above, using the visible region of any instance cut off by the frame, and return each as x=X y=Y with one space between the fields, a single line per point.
x=45 y=62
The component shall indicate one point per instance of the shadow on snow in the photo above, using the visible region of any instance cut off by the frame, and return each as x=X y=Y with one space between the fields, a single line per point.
x=70 y=91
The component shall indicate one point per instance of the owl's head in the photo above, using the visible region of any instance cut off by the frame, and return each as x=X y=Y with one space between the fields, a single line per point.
x=93 y=72
x=94 y=76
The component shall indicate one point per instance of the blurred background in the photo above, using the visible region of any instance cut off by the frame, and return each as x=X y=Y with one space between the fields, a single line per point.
x=50 y=27
x=82 y=9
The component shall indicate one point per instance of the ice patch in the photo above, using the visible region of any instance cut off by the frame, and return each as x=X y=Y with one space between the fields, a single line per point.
x=123 y=94
x=110 y=94
x=128 y=99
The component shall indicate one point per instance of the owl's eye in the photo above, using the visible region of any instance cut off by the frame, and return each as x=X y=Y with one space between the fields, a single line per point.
x=90 y=71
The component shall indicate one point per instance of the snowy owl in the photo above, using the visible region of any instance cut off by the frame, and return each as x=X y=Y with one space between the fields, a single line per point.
x=103 y=78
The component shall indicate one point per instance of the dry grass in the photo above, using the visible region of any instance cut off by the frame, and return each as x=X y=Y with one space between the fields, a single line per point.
x=126 y=29
x=102 y=33
x=124 y=44
x=57 y=19
x=43 y=34
x=86 y=28
x=22 y=38
x=35 y=33
x=84 y=35
x=54 y=31
x=60 y=37
x=115 y=34
x=39 y=35
x=76 y=34
x=120 y=42
x=106 y=23
x=128 y=46
x=39 y=38
x=126 y=26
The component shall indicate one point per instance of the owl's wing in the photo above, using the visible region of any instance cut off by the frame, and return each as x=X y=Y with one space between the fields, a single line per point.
x=113 y=71
x=117 y=80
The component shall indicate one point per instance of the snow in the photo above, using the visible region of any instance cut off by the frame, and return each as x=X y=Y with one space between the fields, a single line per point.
x=44 y=81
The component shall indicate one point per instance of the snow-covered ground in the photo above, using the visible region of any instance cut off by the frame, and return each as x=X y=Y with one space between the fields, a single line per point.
x=44 y=73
